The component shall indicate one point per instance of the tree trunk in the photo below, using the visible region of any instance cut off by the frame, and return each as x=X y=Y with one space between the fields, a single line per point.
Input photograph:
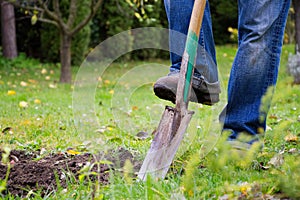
x=65 y=58
x=296 y=4
x=8 y=29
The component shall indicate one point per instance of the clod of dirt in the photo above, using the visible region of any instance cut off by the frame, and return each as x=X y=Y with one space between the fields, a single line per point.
x=27 y=174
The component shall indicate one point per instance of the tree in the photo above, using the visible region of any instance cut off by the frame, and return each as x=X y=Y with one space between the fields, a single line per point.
x=8 y=30
x=224 y=15
x=50 y=42
x=293 y=65
x=49 y=12
x=296 y=4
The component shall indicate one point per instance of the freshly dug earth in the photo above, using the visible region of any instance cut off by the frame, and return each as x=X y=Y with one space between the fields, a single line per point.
x=29 y=173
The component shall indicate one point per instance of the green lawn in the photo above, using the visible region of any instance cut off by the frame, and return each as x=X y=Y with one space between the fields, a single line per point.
x=38 y=113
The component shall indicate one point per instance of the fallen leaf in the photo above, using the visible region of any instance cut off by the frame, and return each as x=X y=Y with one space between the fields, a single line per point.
x=72 y=152
x=245 y=188
x=277 y=160
x=291 y=138
x=268 y=128
x=273 y=117
x=23 y=104
x=43 y=151
x=293 y=150
x=101 y=130
x=25 y=122
x=37 y=101
x=44 y=71
x=23 y=84
x=107 y=82
x=135 y=108
x=32 y=81
x=53 y=86
x=11 y=92
x=109 y=128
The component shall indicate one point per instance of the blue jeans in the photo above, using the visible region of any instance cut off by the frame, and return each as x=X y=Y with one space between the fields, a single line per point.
x=255 y=68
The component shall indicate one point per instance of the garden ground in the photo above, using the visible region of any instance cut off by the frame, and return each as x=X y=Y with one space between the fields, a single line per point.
x=50 y=160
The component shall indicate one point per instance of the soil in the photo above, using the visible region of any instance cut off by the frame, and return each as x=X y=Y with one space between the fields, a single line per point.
x=29 y=172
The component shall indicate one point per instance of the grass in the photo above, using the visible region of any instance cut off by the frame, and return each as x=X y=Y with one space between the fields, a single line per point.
x=124 y=105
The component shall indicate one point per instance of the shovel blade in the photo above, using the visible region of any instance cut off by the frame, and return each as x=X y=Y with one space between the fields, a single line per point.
x=163 y=148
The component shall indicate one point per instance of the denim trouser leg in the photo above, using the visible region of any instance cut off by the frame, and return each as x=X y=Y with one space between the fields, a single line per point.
x=255 y=68
x=179 y=13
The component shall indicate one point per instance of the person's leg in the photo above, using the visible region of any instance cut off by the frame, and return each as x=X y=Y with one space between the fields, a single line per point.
x=179 y=14
x=255 y=68
x=205 y=82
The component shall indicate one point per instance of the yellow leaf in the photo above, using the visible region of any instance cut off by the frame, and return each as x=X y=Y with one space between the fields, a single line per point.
x=25 y=122
x=11 y=92
x=53 y=86
x=135 y=108
x=32 y=81
x=111 y=92
x=109 y=128
x=37 y=101
x=72 y=152
x=244 y=189
x=191 y=193
x=291 y=138
x=34 y=19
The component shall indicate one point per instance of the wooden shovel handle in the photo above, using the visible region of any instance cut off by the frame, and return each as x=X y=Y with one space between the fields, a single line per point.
x=197 y=16
x=189 y=56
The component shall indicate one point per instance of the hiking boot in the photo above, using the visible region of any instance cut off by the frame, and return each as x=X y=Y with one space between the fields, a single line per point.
x=201 y=92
